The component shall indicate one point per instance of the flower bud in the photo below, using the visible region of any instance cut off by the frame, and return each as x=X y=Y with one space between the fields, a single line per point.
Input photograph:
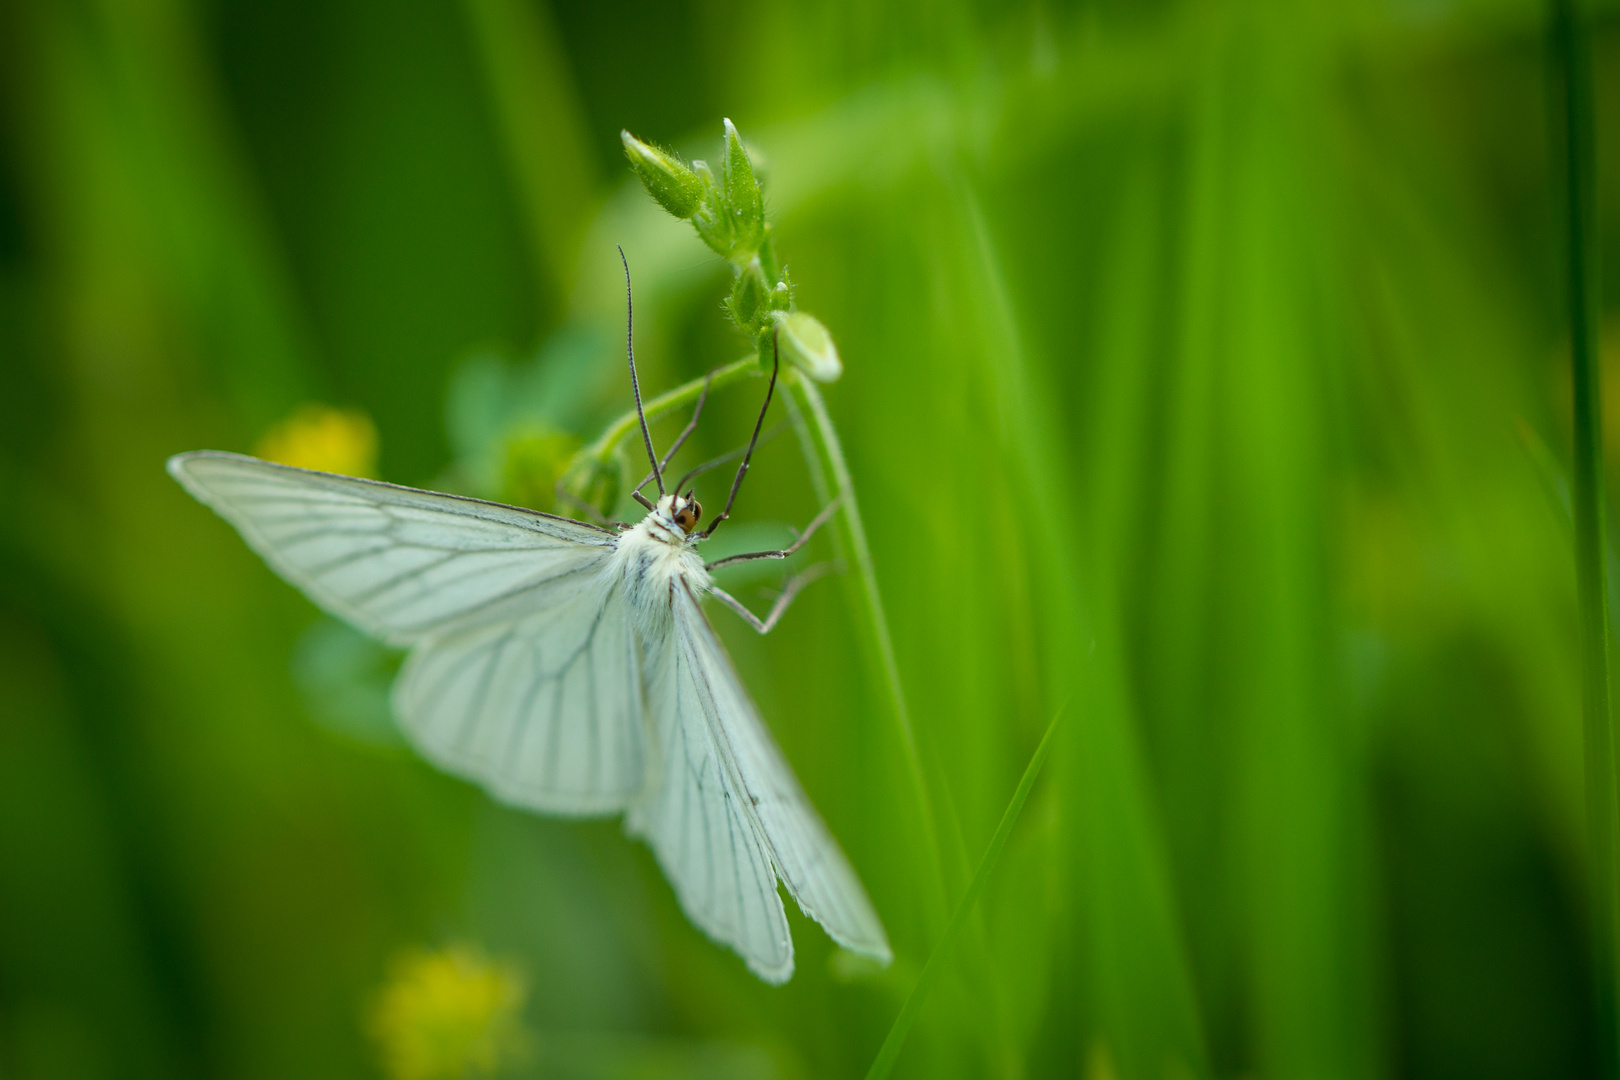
x=594 y=482
x=805 y=343
x=750 y=299
x=713 y=223
x=666 y=178
x=767 y=257
x=740 y=194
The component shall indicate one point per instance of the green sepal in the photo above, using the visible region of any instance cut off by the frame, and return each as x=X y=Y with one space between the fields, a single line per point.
x=667 y=179
x=751 y=296
x=713 y=223
x=594 y=481
x=743 y=203
x=767 y=255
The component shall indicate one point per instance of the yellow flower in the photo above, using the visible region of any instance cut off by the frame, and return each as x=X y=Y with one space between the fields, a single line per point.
x=321 y=437
x=448 y=1014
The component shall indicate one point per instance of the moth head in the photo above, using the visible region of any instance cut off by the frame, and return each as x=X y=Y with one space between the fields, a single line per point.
x=683 y=511
x=687 y=512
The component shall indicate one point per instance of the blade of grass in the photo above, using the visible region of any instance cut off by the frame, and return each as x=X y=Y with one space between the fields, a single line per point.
x=1297 y=803
x=543 y=130
x=1134 y=994
x=889 y=1052
x=1570 y=47
x=853 y=534
x=1555 y=485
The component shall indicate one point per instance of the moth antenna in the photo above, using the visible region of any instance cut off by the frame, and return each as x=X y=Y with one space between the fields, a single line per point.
x=742 y=469
x=680 y=440
x=635 y=384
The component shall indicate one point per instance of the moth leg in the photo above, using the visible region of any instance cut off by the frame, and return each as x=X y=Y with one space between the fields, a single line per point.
x=804 y=538
x=792 y=590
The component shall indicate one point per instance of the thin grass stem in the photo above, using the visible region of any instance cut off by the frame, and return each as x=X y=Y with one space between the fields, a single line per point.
x=889 y=1052
x=1571 y=49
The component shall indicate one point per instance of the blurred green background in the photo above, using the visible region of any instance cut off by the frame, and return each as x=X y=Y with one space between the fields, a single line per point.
x=1206 y=366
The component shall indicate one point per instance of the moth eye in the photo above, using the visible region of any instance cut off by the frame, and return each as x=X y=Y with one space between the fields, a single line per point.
x=696 y=509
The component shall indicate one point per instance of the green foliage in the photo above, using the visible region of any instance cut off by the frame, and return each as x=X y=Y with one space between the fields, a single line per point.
x=1184 y=352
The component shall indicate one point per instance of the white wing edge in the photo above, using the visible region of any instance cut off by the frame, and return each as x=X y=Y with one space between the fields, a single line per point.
x=863 y=932
x=552 y=525
x=460 y=507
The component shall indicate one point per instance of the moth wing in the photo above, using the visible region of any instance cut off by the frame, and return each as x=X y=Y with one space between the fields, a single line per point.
x=545 y=712
x=525 y=675
x=696 y=820
x=403 y=564
x=811 y=865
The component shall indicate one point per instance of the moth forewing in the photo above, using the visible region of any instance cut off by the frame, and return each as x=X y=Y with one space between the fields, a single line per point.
x=403 y=564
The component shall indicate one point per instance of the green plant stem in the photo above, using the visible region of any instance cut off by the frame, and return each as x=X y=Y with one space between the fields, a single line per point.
x=1571 y=49
x=616 y=432
x=895 y=1040
x=854 y=535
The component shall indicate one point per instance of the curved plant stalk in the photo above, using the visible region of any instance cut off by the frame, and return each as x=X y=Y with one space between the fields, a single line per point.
x=823 y=452
x=728 y=212
x=853 y=532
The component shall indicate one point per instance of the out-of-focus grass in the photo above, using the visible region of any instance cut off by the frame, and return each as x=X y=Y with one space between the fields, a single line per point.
x=1185 y=347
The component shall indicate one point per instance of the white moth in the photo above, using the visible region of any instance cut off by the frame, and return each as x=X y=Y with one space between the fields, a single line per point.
x=568 y=669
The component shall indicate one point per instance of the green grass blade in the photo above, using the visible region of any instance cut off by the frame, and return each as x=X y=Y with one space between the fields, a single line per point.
x=543 y=132
x=896 y=1039
x=1131 y=995
x=1572 y=51
x=854 y=537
